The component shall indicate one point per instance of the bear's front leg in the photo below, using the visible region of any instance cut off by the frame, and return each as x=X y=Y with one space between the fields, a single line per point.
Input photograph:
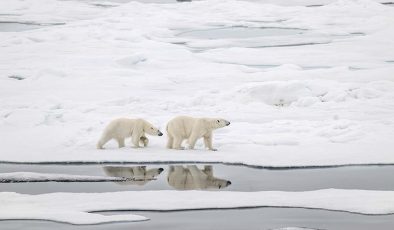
x=144 y=141
x=135 y=139
x=208 y=169
x=208 y=141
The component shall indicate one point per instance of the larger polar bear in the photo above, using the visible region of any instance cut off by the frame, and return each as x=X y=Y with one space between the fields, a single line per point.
x=191 y=177
x=192 y=129
x=121 y=128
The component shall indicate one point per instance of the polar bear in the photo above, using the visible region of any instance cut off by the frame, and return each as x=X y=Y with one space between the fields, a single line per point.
x=192 y=129
x=191 y=177
x=136 y=175
x=121 y=128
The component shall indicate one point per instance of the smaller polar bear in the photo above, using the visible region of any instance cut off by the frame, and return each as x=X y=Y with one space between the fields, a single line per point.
x=121 y=128
x=192 y=129
x=136 y=175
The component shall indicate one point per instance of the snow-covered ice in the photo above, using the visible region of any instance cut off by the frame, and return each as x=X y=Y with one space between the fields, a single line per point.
x=330 y=103
x=77 y=208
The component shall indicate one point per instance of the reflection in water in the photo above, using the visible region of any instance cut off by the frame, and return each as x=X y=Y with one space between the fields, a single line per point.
x=179 y=177
x=138 y=175
x=191 y=177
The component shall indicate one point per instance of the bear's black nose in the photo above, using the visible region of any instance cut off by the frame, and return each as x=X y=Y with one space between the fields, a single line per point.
x=160 y=170
x=228 y=183
x=160 y=133
x=228 y=123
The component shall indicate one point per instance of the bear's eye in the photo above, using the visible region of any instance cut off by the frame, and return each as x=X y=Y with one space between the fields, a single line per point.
x=151 y=128
x=218 y=121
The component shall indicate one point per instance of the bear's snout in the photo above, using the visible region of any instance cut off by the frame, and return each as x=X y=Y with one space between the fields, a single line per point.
x=227 y=123
x=160 y=134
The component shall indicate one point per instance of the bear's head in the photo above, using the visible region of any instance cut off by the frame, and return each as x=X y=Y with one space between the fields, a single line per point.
x=141 y=173
x=151 y=130
x=213 y=182
x=217 y=123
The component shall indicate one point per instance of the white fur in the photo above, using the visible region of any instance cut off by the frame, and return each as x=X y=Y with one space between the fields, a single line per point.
x=191 y=177
x=192 y=129
x=137 y=175
x=121 y=128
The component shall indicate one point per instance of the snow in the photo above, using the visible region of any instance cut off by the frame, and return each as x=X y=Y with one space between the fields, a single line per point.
x=77 y=208
x=317 y=96
x=17 y=177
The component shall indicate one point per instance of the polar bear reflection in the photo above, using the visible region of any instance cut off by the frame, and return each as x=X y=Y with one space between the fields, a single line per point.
x=191 y=177
x=137 y=175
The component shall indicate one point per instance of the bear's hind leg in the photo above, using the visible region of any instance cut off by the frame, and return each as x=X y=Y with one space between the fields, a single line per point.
x=103 y=140
x=170 y=142
x=178 y=143
x=120 y=142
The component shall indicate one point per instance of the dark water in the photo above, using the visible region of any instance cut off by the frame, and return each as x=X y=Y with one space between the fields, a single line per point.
x=213 y=177
x=203 y=177
x=259 y=219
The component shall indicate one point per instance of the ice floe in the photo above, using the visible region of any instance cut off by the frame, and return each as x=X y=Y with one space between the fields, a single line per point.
x=82 y=208
x=327 y=102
